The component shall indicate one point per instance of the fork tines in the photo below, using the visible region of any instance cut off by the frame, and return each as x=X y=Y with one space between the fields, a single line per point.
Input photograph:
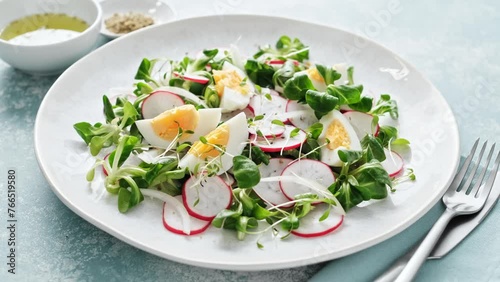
x=474 y=180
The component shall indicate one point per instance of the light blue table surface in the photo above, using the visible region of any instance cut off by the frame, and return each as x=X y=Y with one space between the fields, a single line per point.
x=455 y=43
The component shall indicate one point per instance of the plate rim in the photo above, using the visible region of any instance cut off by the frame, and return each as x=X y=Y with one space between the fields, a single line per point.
x=398 y=228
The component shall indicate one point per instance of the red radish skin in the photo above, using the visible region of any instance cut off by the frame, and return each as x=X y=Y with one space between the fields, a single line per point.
x=305 y=119
x=158 y=102
x=271 y=191
x=280 y=62
x=193 y=78
x=169 y=222
x=393 y=163
x=282 y=143
x=310 y=226
x=222 y=192
x=307 y=169
x=361 y=122
x=103 y=168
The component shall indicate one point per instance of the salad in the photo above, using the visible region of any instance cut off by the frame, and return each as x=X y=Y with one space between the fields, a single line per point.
x=273 y=143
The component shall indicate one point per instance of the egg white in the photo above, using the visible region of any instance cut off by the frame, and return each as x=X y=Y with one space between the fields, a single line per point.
x=232 y=99
x=238 y=136
x=208 y=120
x=331 y=157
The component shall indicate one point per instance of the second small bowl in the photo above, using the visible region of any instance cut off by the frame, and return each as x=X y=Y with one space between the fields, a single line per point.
x=158 y=10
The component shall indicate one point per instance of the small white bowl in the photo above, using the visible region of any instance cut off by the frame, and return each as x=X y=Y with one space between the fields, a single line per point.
x=158 y=10
x=52 y=58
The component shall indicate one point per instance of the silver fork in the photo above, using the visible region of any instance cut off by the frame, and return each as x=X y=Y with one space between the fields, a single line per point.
x=460 y=199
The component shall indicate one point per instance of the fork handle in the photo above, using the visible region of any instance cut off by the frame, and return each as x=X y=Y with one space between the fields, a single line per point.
x=425 y=247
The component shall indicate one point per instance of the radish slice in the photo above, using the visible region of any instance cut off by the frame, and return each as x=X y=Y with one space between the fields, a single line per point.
x=266 y=128
x=310 y=226
x=393 y=163
x=205 y=198
x=271 y=109
x=280 y=62
x=281 y=143
x=361 y=123
x=173 y=222
x=270 y=91
x=174 y=203
x=193 y=77
x=270 y=191
x=158 y=102
x=305 y=115
x=183 y=93
x=227 y=116
x=308 y=170
x=228 y=179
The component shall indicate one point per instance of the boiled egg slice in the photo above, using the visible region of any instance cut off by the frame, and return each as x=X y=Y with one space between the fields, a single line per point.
x=233 y=86
x=163 y=129
x=224 y=142
x=316 y=78
x=338 y=134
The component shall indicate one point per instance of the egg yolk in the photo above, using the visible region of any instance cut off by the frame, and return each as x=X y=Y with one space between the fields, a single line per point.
x=219 y=137
x=167 y=124
x=338 y=136
x=230 y=79
x=315 y=75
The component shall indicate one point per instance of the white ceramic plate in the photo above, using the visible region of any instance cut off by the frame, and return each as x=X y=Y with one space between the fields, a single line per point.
x=425 y=119
x=156 y=9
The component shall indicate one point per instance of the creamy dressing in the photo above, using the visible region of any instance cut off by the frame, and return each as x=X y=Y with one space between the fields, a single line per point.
x=44 y=36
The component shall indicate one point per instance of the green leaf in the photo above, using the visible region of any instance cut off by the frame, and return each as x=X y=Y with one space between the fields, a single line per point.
x=127 y=145
x=97 y=143
x=297 y=86
x=349 y=157
x=364 y=105
x=245 y=172
x=256 y=154
x=142 y=88
x=261 y=213
x=211 y=96
x=325 y=214
x=373 y=180
x=290 y=223
x=347 y=195
x=84 y=129
x=386 y=105
x=90 y=174
x=294 y=132
x=315 y=130
x=144 y=70
x=329 y=74
x=386 y=134
x=373 y=147
x=321 y=102
x=350 y=75
x=124 y=196
x=277 y=122
x=210 y=52
x=400 y=141
x=203 y=140
x=347 y=94
x=108 y=109
x=283 y=74
x=259 y=73
x=292 y=49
